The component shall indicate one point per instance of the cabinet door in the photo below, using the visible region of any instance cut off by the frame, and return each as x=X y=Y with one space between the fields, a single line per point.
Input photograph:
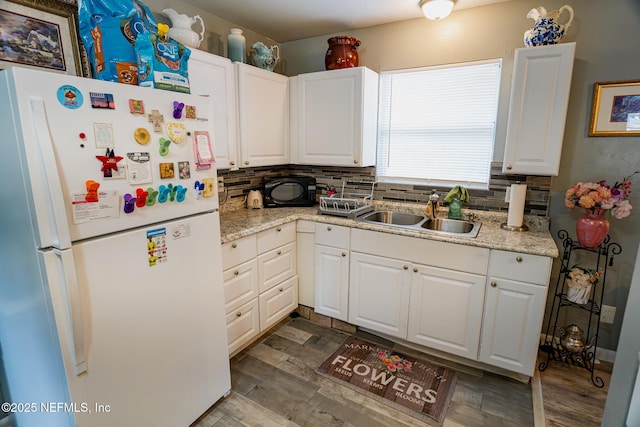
x=379 y=293
x=213 y=76
x=332 y=282
x=538 y=109
x=263 y=105
x=336 y=115
x=305 y=262
x=243 y=324
x=445 y=311
x=278 y=302
x=512 y=324
x=276 y=265
x=240 y=284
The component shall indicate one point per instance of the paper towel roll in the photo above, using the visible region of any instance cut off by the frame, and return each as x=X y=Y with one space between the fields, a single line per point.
x=516 y=205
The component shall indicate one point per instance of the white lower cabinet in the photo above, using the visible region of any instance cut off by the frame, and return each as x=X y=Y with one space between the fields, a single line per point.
x=332 y=271
x=379 y=290
x=445 y=310
x=260 y=282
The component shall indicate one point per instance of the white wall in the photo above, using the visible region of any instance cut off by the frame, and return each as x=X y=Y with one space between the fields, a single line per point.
x=606 y=34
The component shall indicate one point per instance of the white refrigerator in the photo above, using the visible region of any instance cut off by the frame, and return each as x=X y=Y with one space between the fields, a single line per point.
x=111 y=295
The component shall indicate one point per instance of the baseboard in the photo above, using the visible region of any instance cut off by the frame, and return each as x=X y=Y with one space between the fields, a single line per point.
x=538 y=401
x=602 y=354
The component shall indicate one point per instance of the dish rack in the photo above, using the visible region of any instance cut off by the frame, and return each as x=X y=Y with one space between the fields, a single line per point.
x=355 y=199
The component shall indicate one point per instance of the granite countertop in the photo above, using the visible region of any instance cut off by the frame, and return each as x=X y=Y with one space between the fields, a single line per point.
x=537 y=241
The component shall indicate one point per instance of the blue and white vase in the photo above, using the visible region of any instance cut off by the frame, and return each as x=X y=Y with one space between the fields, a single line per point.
x=547 y=30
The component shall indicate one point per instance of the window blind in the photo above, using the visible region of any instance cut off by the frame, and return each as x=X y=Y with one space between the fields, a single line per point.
x=437 y=125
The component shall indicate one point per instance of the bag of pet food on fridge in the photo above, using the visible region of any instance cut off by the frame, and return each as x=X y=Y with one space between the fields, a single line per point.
x=162 y=62
x=109 y=29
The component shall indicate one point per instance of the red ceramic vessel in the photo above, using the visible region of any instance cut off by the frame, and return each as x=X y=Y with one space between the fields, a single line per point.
x=592 y=228
x=342 y=52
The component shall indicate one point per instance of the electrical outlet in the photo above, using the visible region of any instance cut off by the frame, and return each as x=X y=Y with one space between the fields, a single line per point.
x=607 y=314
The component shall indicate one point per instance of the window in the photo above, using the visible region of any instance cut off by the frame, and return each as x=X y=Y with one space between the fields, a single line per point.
x=437 y=125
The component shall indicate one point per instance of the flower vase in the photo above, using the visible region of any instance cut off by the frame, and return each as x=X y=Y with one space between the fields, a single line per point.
x=592 y=228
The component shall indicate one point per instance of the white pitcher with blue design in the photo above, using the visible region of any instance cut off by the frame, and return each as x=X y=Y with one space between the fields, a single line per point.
x=547 y=30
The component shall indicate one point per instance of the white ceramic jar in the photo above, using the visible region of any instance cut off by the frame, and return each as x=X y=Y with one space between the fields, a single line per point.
x=236 y=46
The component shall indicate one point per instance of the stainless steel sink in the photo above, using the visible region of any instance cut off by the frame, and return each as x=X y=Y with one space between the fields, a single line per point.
x=404 y=220
x=394 y=218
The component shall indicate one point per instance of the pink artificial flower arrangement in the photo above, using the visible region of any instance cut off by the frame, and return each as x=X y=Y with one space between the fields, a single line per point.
x=597 y=196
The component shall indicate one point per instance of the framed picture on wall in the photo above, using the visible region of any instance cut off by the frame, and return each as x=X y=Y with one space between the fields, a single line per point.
x=40 y=34
x=616 y=109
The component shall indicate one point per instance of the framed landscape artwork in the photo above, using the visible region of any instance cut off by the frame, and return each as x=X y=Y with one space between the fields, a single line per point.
x=616 y=109
x=40 y=34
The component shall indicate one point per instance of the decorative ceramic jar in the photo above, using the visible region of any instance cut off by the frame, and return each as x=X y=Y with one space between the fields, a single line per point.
x=181 y=28
x=592 y=228
x=236 y=46
x=264 y=57
x=547 y=29
x=342 y=53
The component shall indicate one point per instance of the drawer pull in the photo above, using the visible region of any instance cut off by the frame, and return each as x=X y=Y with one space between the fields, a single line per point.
x=239 y=314
x=246 y=162
x=279 y=252
x=494 y=284
x=406 y=267
x=234 y=245
x=344 y=254
x=415 y=270
x=236 y=272
x=281 y=289
x=232 y=163
x=519 y=259
x=328 y=228
x=278 y=229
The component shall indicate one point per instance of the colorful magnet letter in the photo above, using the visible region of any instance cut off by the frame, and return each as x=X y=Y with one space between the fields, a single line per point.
x=176 y=131
x=164 y=146
x=177 y=109
x=142 y=136
x=181 y=193
x=199 y=187
x=155 y=118
x=136 y=106
x=141 y=197
x=92 y=191
x=152 y=194
x=190 y=112
x=109 y=162
x=129 y=203
x=163 y=193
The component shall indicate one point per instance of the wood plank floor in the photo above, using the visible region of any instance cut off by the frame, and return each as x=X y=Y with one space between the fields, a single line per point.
x=274 y=383
x=569 y=397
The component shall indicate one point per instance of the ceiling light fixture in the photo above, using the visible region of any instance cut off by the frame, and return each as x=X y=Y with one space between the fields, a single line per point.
x=436 y=9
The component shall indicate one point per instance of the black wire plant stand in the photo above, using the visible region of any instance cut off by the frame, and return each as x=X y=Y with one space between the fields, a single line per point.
x=604 y=256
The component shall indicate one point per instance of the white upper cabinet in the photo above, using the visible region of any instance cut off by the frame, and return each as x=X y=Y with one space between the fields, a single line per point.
x=212 y=76
x=538 y=109
x=334 y=116
x=263 y=111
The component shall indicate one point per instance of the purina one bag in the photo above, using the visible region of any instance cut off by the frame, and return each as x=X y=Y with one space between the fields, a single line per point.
x=109 y=29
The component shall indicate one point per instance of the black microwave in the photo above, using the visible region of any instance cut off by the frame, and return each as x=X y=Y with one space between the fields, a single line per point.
x=289 y=191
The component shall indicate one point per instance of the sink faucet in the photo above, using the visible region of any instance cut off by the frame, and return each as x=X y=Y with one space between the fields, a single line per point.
x=433 y=204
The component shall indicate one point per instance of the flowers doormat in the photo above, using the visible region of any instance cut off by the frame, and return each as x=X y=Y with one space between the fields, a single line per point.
x=407 y=384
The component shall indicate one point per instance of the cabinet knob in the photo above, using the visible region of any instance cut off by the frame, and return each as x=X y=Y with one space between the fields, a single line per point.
x=236 y=272
x=281 y=289
x=344 y=254
x=415 y=270
x=232 y=163
x=494 y=284
x=239 y=314
x=234 y=245
x=328 y=228
x=509 y=167
x=519 y=259
x=246 y=162
x=406 y=267
x=279 y=252
x=355 y=161
x=278 y=229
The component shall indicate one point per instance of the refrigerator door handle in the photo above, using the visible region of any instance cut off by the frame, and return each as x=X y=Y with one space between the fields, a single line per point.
x=73 y=310
x=45 y=145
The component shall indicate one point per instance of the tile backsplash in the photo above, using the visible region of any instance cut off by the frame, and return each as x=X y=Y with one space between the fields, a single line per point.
x=238 y=183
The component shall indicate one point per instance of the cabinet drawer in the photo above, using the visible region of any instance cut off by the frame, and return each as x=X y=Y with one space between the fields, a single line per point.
x=238 y=251
x=243 y=325
x=332 y=235
x=278 y=302
x=240 y=284
x=276 y=265
x=521 y=267
x=276 y=236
